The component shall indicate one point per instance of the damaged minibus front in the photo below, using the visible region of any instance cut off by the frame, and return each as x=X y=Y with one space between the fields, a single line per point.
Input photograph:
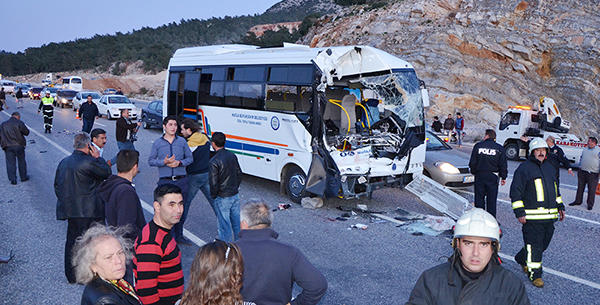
x=368 y=123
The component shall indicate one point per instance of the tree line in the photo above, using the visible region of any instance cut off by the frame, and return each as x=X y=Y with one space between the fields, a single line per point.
x=153 y=46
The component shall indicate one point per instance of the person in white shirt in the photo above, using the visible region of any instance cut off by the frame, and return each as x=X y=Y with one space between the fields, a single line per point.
x=589 y=168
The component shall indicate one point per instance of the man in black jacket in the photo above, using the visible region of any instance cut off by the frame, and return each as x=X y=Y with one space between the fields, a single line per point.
x=75 y=185
x=87 y=113
x=225 y=177
x=122 y=204
x=556 y=157
x=12 y=140
x=488 y=159
x=124 y=129
x=537 y=204
x=473 y=274
x=271 y=267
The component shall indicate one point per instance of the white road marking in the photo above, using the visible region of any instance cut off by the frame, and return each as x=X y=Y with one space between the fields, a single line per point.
x=195 y=239
x=558 y=273
x=568 y=216
x=96 y=123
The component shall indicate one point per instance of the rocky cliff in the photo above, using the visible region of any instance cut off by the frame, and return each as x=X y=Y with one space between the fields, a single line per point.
x=479 y=57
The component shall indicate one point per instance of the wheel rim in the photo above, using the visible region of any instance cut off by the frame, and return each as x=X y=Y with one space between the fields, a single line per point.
x=296 y=184
x=511 y=152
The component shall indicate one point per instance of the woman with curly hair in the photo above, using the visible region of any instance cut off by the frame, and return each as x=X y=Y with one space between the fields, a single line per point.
x=99 y=259
x=216 y=276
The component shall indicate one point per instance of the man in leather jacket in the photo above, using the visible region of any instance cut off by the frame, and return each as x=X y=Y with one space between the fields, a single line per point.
x=225 y=177
x=75 y=184
x=473 y=274
x=12 y=140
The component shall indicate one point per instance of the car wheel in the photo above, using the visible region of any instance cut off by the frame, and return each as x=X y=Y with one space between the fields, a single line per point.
x=512 y=151
x=145 y=124
x=74 y=109
x=295 y=182
x=62 y=105
x=108 y=115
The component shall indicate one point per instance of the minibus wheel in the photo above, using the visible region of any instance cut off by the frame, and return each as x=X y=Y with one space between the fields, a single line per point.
x=295 y=182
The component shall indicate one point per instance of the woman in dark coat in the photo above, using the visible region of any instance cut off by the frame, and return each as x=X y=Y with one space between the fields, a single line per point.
x=99 y=259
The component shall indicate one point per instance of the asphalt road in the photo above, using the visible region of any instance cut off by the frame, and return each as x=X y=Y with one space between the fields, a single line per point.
x=379 y=265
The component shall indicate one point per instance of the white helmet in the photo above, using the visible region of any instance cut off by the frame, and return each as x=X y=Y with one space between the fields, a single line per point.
x=537 y=143
x=478 y=223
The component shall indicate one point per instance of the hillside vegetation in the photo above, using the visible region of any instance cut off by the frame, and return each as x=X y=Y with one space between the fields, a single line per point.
x=155 y=46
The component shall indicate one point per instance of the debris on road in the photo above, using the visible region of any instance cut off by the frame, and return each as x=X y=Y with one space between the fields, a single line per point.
x=6 y=258
x=284 y=206
x=438 y=197
x=439 y=223
x=359 y=226
x=43 y=151
x=312 y=202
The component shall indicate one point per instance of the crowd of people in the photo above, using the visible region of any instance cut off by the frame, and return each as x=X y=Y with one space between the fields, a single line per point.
x=123 y=259
x=107 y=228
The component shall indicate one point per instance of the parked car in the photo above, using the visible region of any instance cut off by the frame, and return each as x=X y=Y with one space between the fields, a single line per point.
x=24 y=89
x=81 y=97
x=447 y=166
x=51 y=90
x=109 y=91
x=9 y=86
x=111 y=105
x=152 y=115
x=64 y=98
x=34 y=93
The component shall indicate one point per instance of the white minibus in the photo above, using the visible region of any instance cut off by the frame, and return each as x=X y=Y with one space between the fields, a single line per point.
x=333 y=122
x=72 y=83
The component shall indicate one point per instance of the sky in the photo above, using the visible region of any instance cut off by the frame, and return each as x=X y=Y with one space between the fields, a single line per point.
x=33 y=23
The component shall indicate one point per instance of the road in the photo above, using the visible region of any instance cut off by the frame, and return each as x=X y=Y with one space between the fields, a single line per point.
x=379 y=265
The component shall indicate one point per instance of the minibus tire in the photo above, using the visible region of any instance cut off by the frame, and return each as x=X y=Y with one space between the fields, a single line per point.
x=295 y=181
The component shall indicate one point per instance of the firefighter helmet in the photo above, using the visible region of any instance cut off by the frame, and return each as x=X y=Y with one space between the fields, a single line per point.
x=537 y=143
x=478 y=223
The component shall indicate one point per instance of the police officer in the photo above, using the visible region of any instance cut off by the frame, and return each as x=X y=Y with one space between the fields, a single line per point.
x=537 y=204
x=488 y=159
x=48 y=110
x=556 y=157
x=473 y=273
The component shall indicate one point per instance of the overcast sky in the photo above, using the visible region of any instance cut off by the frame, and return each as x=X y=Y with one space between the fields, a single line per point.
x=33 y=23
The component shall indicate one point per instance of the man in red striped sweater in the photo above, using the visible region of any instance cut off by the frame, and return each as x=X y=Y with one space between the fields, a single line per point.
x=157 y=261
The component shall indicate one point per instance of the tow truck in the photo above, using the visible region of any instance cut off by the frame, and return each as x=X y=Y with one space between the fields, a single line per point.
x=543 y=122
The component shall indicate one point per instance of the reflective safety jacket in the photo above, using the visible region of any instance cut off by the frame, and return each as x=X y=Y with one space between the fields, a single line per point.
x=534 y=191
x=47 y=101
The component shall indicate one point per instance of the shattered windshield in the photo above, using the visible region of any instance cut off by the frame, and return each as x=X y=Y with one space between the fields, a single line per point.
x=400 y=93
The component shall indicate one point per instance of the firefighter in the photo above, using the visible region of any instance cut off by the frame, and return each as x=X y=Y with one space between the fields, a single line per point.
x=48 y=111
x=473 y=273
x=537 y=204
x=488 y=161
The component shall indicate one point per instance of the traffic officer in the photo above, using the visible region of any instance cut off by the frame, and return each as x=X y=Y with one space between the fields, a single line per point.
x=537 y=204
x=473 y=273
x=48 y=111
x=488 y=160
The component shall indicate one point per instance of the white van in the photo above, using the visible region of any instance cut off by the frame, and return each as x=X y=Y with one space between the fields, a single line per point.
x=9 y=86
x=72 y=83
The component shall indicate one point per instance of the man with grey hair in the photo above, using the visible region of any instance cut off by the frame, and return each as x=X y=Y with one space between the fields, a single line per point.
x=270 y=266
x=75 y=184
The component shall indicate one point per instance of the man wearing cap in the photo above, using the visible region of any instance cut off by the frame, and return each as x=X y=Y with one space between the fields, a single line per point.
x=537 y=204
x=473 y=274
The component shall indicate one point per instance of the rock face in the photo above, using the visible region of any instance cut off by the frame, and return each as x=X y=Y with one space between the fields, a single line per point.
x=260 y=29
x=479 y=57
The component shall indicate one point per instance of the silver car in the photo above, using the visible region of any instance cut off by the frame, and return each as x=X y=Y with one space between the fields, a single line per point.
x=449 y=167
x=81 y=97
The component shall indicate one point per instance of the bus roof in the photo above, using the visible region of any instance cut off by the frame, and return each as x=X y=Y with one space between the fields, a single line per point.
x=345 y=60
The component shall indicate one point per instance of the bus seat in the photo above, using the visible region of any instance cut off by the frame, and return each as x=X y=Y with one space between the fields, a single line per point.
x=305 y=103
x=349 y=104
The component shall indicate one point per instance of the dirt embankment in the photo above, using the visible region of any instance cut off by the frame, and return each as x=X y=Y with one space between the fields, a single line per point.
x=134 y=81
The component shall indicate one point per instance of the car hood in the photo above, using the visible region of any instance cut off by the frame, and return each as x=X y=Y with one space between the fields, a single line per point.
x=130 y=106
x=452 y=156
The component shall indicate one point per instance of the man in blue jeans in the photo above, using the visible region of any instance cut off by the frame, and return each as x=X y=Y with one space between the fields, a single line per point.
x=459 y=126
x=197 y=171
x=225 y=177
x=87 y=113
